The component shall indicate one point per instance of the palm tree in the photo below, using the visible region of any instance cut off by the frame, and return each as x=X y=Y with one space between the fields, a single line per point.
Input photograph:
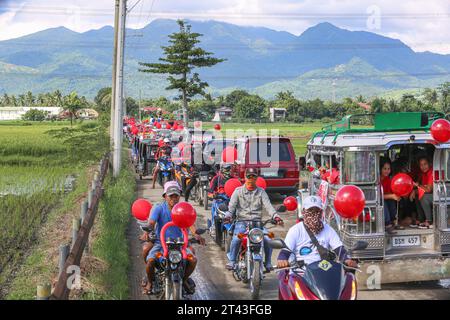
x=6 y=100
x=29 y=99
x=72 y=104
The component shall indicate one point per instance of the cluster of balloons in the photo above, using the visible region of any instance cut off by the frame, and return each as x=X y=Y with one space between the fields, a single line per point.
x=183 y=213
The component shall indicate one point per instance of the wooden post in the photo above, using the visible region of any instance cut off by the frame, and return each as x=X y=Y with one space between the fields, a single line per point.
x=43 y=291
x=84 y=209
x=90 y=195
x=64 y=250
x=75 y=228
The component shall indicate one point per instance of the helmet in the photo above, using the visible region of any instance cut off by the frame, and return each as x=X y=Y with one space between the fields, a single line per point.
x=225 y=169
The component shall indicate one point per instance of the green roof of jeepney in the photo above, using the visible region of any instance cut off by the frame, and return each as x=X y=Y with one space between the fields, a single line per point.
x=380 y=122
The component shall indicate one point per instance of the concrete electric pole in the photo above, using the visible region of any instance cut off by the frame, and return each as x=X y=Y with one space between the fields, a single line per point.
x=118 y=87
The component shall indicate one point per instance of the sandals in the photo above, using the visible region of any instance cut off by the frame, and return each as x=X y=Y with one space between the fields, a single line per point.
x=425 y=225
x=399 y=227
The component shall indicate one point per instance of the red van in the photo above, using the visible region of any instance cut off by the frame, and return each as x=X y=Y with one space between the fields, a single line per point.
x=274 y=157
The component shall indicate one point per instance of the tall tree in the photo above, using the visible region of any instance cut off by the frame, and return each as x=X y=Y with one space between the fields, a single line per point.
x=72 y=103
x=181 y=57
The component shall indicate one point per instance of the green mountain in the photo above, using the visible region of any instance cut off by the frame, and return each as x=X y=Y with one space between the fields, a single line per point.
x=258 y=59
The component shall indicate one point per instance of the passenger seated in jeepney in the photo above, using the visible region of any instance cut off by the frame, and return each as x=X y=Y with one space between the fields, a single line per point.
x=423 y=192
x=331 y=176
x=390 y=199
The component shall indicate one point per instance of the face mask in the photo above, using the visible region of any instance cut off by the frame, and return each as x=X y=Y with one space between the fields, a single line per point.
x=313 y=220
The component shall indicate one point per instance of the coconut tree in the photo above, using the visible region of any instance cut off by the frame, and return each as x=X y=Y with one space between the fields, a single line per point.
x=71 y=104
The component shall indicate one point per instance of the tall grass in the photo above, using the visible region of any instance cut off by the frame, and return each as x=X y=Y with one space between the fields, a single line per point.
x=111 y=246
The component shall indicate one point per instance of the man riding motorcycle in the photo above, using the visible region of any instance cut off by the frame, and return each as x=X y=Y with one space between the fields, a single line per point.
x=219 y=180
x=160 y=215
x=298 y=237
x=164 y=151
x=247 y=203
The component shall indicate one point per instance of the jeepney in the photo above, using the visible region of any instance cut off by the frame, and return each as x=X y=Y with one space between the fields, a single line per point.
x=354 y=153
x=146 y=153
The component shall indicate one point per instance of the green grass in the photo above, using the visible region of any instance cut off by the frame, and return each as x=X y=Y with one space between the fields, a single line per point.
x=34 y=172
x=112 y=246
x=299 y=133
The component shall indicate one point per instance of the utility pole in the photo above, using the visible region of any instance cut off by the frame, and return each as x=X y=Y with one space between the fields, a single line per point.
x=113 y=87
x=118 y=90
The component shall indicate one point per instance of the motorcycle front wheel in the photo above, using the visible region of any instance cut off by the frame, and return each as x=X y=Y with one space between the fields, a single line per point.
x=205 y=199
x=177 y=290
x=255 y=281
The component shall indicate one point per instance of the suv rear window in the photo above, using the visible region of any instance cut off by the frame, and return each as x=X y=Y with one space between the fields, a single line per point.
x=262 y=151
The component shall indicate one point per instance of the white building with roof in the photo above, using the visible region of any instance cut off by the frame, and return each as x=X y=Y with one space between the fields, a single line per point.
x=16 y=113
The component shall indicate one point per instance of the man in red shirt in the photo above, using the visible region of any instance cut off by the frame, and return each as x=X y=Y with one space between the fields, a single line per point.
x=424 y=191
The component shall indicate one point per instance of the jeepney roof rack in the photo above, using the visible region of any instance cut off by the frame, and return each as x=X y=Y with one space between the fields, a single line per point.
x=382 y=122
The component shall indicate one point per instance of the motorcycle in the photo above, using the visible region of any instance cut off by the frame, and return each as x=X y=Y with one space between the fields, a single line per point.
x=165 y=170
x=170 y=267
x=249 y=266
x=201 y=188
x=320 y=280
x=184 y=172
x=221 y=232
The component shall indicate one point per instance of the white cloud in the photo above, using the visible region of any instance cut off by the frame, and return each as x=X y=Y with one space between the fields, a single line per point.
x=423 y=25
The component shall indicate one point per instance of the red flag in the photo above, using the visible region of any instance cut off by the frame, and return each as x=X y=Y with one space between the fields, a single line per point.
x=421 y=192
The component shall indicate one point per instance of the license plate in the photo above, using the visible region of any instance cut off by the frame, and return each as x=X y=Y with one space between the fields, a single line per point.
x=406 y=241
x=270 y=174
x=203 y=178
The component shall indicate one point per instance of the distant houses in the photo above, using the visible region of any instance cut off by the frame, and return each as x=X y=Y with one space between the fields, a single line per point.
x=223 y=114
x=16 y=113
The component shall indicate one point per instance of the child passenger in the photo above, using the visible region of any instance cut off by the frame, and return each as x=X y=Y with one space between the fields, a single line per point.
x=390 y=198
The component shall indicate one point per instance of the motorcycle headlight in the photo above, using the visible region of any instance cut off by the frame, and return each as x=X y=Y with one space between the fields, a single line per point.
x=175 y=256
x=256 y=235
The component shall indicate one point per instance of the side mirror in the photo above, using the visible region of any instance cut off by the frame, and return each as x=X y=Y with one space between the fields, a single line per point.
x=277 y=244
x=360 y=245
x=302 y=163
x=200 y=231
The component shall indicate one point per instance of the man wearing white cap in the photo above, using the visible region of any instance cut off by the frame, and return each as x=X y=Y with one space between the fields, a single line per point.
x=299 y=237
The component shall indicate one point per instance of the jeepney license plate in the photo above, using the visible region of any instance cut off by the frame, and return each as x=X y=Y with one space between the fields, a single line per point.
x=270 y=174
x=406 y=241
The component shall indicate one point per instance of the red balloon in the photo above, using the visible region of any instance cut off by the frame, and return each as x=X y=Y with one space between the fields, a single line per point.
x=141 y=209
x=231 y=185
x=349 y=201
x=440 y=130
x=175 y=126
x=183 y=215
x=261 y=182
x=290 y=203
x=217 y=127
x=229 y=154
x=134 y=130
x=160 y=143
x=158 y=125
x=180 y=127
x=402 y=184
x=168 y=126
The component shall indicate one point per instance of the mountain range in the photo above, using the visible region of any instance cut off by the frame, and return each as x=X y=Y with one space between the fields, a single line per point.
x=324 y=61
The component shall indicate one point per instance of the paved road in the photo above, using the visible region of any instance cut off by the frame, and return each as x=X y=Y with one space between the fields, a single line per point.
x=214 y=282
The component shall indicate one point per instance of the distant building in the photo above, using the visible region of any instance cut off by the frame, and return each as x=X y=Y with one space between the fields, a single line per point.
x=16 y=113
x=222 y=114
x=277 y=114
x=87 y=114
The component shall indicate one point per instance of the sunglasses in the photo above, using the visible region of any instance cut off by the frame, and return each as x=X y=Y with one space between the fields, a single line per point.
x=251 y=176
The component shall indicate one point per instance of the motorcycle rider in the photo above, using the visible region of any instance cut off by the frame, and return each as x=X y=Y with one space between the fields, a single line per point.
x=298 y=237
x=246 y=203
x=164 y=151
x=160 y=215
x=219 y=180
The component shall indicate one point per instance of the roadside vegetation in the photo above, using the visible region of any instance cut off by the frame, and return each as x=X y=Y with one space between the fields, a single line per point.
x=110 y=245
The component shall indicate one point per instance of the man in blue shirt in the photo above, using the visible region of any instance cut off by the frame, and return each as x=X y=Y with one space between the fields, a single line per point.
x=160 y=215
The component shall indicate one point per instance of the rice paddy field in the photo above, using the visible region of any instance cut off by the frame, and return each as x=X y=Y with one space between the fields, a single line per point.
x=34 y=177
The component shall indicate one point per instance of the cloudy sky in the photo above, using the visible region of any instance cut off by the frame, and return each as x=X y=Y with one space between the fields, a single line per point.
x=421 y=24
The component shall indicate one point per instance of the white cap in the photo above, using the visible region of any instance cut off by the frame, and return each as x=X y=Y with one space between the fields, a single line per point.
x=312 y=201
x=166 y=140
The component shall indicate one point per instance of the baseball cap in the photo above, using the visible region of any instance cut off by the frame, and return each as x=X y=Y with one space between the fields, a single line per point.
x=171 y=187
x=312 y=201
x=166 y=140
